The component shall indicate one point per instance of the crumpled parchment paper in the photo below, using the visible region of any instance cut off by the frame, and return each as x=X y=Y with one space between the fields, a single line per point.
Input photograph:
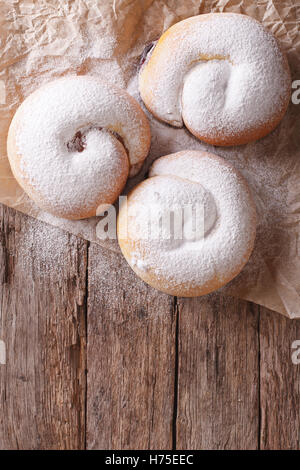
x=43 y=40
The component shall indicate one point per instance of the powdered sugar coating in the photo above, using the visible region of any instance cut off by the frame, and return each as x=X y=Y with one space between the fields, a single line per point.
x=220 y=74
x=185 y=267
x=61 y=179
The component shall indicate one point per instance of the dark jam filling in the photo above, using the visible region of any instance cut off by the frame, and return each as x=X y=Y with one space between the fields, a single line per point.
x=78 y=143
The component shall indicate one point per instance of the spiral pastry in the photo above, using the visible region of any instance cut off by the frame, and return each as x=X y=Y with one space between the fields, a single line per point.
x=168 y=245
x=223 y=75
x=73 y=143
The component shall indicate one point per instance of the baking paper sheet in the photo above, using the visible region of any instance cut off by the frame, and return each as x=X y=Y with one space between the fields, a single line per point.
x=43 y=40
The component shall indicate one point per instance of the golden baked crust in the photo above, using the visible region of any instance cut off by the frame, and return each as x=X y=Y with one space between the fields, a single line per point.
x=170 y=59
x=125 y=158
x=172 y=270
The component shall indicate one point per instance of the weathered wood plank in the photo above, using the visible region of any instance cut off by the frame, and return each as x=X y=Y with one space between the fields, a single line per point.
x=218 y=380
x=131 y=358
x=279 y=382
x=42 y=323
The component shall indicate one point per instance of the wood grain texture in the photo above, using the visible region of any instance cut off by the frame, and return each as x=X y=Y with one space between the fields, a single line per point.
x=42 y=323
x=218 y=379
x=206 y=373
x=279 y=382
x=131 y=358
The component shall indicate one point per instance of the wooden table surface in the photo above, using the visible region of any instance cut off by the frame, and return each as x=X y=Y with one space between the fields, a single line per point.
x=96 y=359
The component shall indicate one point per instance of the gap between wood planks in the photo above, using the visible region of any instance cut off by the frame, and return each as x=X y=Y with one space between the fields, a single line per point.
x=205 y=354
x=174 y=427
x=86 y=338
